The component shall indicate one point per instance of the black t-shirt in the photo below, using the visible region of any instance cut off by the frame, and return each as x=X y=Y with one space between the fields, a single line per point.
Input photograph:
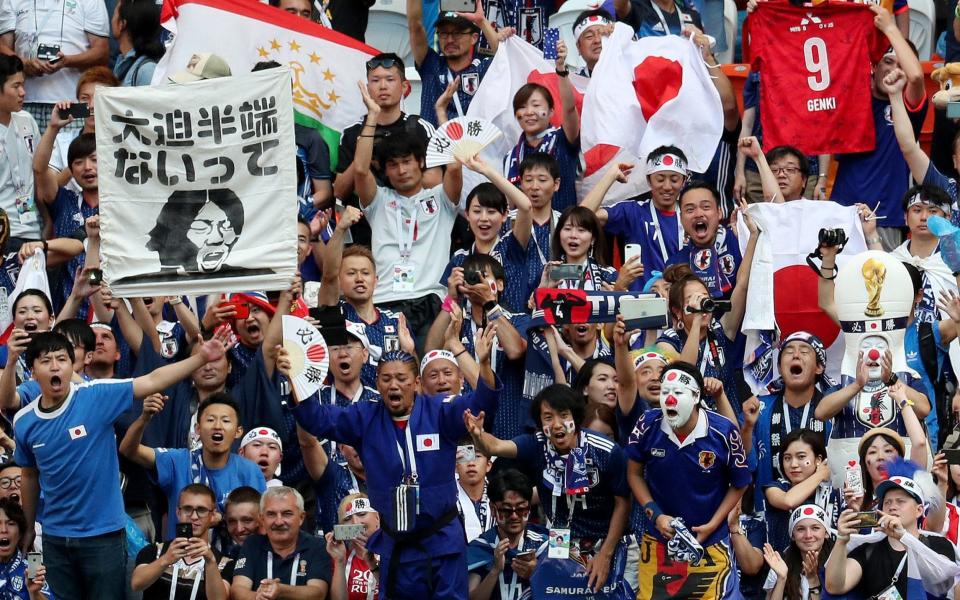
x=160 y=590
x=350 y=17
x=879 y=563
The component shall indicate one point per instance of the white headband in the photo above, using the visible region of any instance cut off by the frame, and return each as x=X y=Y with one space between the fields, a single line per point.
x=358 y=506
x=261 y=433
x=437 y=355
x=808 y=511
x=645 y=356
x=667 y=162
x=587 y=24
x=676 y=376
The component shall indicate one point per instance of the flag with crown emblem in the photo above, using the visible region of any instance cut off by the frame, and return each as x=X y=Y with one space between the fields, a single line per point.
x=325 y=64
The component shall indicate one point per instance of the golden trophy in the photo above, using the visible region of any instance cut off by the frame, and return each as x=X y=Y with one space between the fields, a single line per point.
x=874 y=272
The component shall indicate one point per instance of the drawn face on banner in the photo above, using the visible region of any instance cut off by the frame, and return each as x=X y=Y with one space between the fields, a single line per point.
x=873 y=348
x=197 y=229
x=678 y=397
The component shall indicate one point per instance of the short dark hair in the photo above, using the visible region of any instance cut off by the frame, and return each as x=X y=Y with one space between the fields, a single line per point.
x=32 y=292
x=14 y=512
x=82 y=146
x=509 y=480
x=263 y=65
x=46 y=342
x=78 y=332
x=242 y=495
x=785 y=151
x=597 y=12
x=540 y=160
x=9 y=66
x=930 y=193
x=400 y=145
x=559 y=396
x=219 y=398
x=586 y=218
x=488 y=196
x=9 y=465
x=200 y=489
x=529 y=89
x=699 y=184
x=485 y=262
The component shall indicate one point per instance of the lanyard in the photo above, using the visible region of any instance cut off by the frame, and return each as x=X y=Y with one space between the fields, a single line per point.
x=506 y=591
x=410 y=453
x=456 y=94
x=37 y=26
x=473 y=340
x=196 y=579
x=293 y=568
x=371 y=580
x=533 y=234
x=405 y=236
x=13 y=159
x=655 y=219
x=786 y=416
x=663 y=19
x=333 y=402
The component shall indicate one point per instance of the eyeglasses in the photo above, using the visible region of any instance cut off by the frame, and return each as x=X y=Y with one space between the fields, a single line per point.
x=452 y=34
x=350 y=348
x=522 y=512
x=788 y=170
x=386 y=62
x=6 y=482
x=202 y=511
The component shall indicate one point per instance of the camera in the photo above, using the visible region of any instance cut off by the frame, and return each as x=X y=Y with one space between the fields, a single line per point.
x=709 y=305
x=832 y=237
x=48 y=52
x=472 y=277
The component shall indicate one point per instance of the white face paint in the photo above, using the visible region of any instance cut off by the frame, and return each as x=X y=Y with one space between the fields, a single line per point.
x=873 y=348
x=678 y=398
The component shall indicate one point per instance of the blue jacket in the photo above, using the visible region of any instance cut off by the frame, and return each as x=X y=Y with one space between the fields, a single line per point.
x=436 y=425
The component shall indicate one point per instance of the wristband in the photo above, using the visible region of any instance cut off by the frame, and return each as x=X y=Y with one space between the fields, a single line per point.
x=494 y=313
x=447 y=305
x=563 y=73
x=459 y=353
x=873 y=240
x=45 y=247
x=174 y=301
x=905 y=403
x=653 y=512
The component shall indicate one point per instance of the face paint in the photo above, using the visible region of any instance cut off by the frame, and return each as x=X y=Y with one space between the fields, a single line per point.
x=873 y=348
x=679 y=395
x=570 y=426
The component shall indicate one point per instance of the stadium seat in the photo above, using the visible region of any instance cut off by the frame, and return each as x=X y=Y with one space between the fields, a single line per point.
x=922 y=17
x=411 y=104
x=730 y=27
x=387 y=29
x=563 y=20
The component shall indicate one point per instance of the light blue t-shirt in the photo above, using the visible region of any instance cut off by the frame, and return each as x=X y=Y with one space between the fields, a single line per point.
x=74 y=448
x=175 y=470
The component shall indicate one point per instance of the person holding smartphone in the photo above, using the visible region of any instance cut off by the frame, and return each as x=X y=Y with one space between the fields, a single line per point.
x=187 y=563
x=356 y=570
x=13 y=563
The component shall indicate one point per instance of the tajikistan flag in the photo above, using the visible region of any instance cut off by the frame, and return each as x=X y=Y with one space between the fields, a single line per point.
x=326 y=65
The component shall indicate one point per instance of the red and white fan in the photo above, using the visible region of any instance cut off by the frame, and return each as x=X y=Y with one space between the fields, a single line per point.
x=462 y=137
x=309 y=355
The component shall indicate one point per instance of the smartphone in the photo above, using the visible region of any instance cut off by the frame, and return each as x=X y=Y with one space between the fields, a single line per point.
x=466 y=454
x=457 y=6
x=952 y=455
x=566 y=272
x=345 y=533
x=34 y=560
x=854 y=478
x=526 y=555
x=550 y=38
x=868 y=518
x=631 y=250
x=184 y=530
x=94 y=276
x=77 y=110
x=644 y=312
x=242 y=310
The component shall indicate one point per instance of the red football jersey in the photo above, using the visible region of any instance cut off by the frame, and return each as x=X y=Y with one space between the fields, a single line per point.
x=814 y=66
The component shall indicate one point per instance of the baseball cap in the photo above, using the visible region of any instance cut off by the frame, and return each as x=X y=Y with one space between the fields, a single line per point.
x=202 y=65
x=261 y=433
x=904 y=483
x=461 y=23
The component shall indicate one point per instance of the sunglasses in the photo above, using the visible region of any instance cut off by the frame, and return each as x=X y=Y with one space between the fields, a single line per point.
x=385 y=62
x=504 y=512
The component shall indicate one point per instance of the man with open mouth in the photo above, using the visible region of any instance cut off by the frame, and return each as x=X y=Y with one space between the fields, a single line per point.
x=408 y=444
x=66 y=445
x=687 y=467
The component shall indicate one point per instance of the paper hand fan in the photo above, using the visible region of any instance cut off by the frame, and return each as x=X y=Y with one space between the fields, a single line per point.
x=309 y=356
x=462 y=137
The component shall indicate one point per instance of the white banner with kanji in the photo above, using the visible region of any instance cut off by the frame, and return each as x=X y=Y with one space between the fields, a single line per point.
x=198 y=186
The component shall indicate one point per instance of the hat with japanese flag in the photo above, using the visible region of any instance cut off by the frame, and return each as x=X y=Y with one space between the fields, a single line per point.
x=261 y=433
x=904 y=483
x=873 y=298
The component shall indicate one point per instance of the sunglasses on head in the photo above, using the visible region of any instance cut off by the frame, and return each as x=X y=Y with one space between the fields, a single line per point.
x=385 y=62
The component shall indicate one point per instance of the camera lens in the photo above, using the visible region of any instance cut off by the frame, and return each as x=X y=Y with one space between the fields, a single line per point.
x=707 y=305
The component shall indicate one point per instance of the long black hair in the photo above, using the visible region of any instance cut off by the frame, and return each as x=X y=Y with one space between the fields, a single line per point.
x=142 y=18
x=794 y=559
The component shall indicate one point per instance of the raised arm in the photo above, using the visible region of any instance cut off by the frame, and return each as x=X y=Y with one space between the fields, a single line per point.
x=523 y=223
x=453 y=182
x=315 y=458
x=825 y=285
x=626 y=381
x=418 y=34
x=571 y=118
x=594 y=198
x=488 y=444
x=750 y=148
x=738 y=299
x=365 y=184
x=165 y=376
x=131 y=446
x=333 y=258
x=45 y=179
x=909 y=63
x=916 y=159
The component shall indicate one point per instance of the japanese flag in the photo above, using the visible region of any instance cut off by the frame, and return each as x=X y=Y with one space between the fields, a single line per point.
x=515 y=64
x=428 y=442
x=783 y=288
x=78 y=432
x=643 y=94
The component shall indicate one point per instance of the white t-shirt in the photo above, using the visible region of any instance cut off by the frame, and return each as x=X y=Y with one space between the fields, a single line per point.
x=59 y=22
x=58 y=158
x=18 y=142
x=427 y=218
